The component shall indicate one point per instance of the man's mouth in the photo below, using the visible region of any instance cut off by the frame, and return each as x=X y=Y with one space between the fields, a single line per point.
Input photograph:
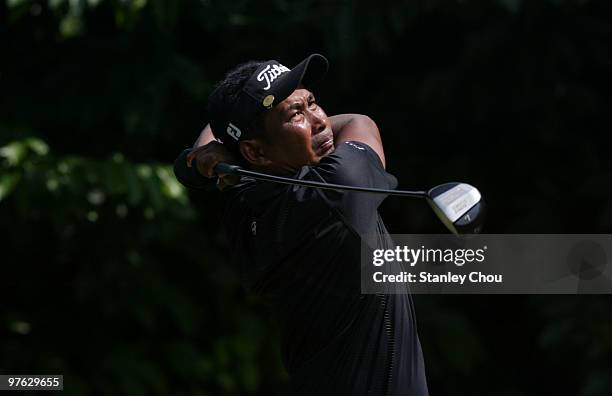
x=322 y=142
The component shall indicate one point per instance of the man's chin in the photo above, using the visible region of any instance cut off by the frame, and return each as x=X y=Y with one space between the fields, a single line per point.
x=320 y=154
x=325 y=148
x=329 y=150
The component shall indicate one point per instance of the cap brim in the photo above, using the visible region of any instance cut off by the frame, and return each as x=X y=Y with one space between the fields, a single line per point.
x=307 y=73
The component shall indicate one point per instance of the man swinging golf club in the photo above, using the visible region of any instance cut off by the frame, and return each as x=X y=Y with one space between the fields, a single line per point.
x=299 y=247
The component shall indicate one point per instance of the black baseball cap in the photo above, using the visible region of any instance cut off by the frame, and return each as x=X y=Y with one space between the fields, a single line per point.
x=269 y=85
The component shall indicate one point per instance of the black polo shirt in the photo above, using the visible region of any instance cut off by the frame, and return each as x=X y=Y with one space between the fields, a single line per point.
x=299 y=248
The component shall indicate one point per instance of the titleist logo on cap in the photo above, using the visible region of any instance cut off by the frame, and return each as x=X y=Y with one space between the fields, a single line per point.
x=270 y=73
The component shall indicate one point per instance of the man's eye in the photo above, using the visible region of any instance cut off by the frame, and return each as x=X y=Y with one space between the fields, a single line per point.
x=312 y=104
x=297 y=113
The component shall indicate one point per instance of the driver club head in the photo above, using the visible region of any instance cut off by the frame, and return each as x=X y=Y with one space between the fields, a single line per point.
x=459 y=206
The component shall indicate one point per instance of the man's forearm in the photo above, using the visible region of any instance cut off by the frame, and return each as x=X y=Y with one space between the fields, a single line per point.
x=206 y=136
x=189 y=176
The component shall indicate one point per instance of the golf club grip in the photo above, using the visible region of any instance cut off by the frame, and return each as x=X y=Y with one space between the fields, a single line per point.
x=222 y=167
x=233 y=169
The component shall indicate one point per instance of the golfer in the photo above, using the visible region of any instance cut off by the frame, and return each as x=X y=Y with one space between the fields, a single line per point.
x=299 y=247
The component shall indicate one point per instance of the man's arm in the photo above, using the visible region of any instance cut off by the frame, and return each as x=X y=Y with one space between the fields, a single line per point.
x=360 y=128
x=207 y=152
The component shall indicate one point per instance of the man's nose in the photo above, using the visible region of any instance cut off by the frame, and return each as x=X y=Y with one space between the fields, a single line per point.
x=318 y=123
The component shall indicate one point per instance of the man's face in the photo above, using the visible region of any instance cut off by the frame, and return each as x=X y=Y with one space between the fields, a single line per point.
x=298 y=133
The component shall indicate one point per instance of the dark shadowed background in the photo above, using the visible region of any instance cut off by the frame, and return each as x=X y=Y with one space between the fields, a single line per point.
x=115 y=276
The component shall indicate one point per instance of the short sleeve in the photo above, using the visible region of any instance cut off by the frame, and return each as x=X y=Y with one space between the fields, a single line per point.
x=354 y=164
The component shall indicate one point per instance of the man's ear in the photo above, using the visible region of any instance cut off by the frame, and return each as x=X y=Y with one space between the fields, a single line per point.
x=253 y=151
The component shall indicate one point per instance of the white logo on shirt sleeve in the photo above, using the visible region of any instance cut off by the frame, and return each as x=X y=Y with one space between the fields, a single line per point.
x=354 y=145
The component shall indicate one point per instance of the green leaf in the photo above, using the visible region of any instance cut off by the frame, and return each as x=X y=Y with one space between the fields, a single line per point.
x=37 y=145
x=14 y=153
x=8 y=183
x=169 y=185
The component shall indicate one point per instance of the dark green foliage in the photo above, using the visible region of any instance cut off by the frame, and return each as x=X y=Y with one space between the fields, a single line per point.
x=118 y=278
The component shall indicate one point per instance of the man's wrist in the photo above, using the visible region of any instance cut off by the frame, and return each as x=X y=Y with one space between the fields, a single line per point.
x=190 y=176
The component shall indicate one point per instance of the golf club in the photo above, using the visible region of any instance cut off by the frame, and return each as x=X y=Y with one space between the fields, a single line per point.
x=459 y=206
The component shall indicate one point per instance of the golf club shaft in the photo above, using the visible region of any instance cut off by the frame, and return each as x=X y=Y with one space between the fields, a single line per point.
x=233 y=169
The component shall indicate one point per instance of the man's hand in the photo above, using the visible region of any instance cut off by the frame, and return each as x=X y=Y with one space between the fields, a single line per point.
x=207 y=157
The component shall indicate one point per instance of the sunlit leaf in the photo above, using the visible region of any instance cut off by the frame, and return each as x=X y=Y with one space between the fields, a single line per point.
x=8 y=182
